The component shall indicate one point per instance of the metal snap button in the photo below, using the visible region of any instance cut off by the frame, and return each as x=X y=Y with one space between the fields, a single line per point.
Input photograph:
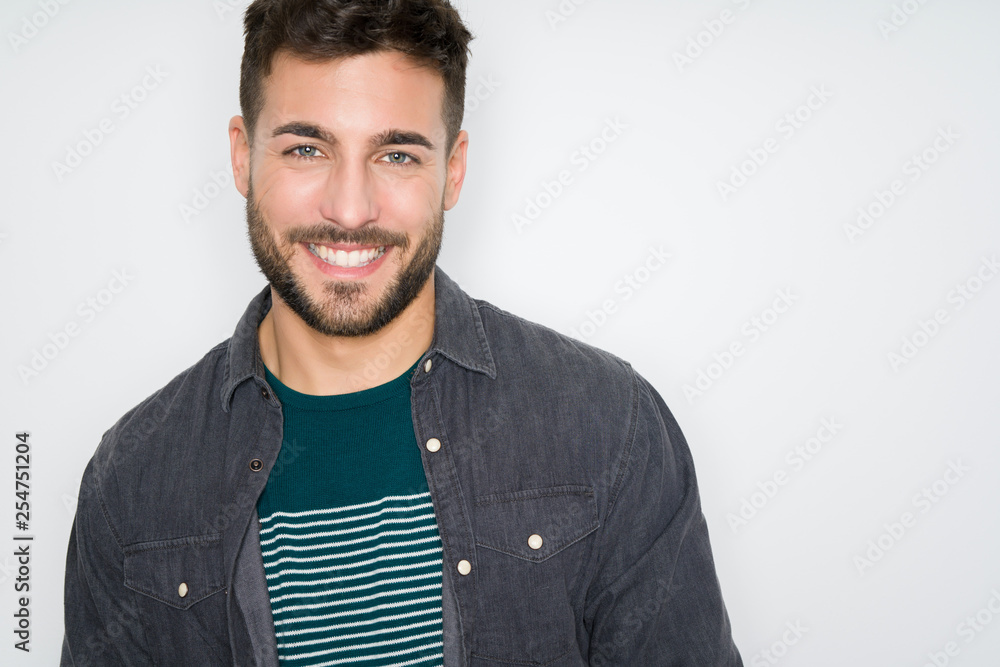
x=433 y=445
x=182 y=590
x=464 y=567
x=535 y=541
x=427 y=366
x=256 y=465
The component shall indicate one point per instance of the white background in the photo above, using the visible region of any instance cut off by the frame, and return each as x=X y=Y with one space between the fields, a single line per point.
x=556 y=78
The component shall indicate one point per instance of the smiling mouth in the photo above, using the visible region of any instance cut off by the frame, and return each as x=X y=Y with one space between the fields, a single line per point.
x=347 y=259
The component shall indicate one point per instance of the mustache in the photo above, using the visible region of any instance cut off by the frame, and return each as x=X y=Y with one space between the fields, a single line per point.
x=367 y=235
x=325 y=233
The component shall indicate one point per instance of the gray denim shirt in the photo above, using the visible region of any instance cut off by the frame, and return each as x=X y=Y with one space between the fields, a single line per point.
x=540 y=436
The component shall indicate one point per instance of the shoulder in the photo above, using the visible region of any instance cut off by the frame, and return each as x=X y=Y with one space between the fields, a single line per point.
x=553 y=360
x=559 y=375
x=153 y=428
x=571 y=409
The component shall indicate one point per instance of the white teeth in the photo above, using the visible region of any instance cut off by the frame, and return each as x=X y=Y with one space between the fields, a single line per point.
x=344 y=259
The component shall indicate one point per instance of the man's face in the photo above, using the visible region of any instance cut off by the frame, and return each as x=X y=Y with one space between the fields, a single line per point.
x=347 y=182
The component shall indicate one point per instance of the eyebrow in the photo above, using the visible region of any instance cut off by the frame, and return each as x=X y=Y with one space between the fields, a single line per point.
x=392 y=137
x=307 y=130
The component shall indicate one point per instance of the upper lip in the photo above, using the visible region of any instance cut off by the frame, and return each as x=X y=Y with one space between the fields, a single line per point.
x=346 y=246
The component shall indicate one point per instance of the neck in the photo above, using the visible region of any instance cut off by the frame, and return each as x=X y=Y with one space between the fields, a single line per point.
x=309 y=362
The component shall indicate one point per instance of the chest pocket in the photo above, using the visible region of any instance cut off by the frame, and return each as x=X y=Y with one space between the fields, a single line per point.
x=530 y=575
x=180 y=572
x=535 y=524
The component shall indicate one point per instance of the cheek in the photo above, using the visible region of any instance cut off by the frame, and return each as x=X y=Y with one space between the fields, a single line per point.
x=288 y=201
x=410 y=202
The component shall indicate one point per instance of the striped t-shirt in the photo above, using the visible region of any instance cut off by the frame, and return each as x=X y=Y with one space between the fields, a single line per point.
x=348 y=535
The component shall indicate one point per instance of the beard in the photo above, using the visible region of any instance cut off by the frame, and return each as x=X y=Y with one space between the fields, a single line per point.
x=342 y=308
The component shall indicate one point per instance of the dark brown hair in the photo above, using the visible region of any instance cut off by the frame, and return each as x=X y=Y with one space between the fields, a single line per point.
x=429 y=31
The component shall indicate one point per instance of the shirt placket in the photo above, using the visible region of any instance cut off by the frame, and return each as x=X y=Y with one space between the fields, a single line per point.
x=253 y=451
x=458 y=589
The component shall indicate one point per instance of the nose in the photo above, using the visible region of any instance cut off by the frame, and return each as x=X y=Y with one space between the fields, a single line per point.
x=349 y=195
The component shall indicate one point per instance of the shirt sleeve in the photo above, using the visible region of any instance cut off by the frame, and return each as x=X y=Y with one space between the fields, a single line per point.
x=655 y=599
x=102 y=625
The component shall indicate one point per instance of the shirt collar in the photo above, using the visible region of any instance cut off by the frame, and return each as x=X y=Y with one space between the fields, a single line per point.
x=458 y=335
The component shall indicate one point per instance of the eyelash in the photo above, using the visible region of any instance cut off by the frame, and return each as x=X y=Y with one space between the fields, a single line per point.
x=293 y=152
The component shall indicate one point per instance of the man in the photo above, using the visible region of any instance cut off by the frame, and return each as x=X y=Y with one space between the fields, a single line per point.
x=377 y=469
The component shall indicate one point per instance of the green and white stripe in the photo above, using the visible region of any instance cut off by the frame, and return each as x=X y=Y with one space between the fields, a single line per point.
x=357 y=585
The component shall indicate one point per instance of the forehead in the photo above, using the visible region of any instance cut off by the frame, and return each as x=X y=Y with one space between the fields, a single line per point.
x=369 y=92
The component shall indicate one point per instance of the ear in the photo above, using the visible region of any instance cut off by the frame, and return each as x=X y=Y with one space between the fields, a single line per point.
x=455 y=174
x=239 y=149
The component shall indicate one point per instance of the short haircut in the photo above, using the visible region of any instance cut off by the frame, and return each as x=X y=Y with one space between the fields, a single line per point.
x=431 y=32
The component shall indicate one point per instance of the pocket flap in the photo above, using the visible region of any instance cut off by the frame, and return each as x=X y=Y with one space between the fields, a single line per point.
x=178 y=572
x=535 y=524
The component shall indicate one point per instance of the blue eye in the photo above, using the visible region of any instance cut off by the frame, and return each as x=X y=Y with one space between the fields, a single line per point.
x=306 y=151
x=398 y=157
